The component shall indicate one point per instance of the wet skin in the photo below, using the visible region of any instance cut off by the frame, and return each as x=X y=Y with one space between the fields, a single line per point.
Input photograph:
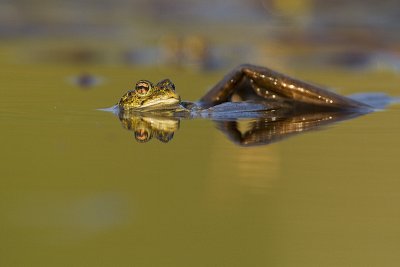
x=246 y=83
x=273 y=105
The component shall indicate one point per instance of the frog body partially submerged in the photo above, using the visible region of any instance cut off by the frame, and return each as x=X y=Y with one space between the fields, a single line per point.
x=247 y=88
x=273 y=105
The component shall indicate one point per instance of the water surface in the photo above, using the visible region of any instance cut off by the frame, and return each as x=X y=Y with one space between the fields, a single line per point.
x=77 y=189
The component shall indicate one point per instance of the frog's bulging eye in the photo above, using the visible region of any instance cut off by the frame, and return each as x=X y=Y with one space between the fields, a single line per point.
x=166 y=84
x=143 y=87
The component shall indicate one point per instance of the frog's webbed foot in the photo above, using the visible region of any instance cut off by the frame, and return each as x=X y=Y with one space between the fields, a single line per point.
x=269 y=86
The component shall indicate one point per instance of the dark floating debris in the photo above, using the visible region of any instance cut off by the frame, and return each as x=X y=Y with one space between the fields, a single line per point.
x=86 y=80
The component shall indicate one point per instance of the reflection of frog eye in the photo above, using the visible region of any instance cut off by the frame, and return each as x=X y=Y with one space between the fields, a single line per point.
x=165 y=137
x=142 y=135
x=143 y=87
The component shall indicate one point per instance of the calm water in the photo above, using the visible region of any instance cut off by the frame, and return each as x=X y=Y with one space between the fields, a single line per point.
x=78 y=190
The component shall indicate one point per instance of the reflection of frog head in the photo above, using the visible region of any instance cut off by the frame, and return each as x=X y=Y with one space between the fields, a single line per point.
x=146 y=95
x=147 y=127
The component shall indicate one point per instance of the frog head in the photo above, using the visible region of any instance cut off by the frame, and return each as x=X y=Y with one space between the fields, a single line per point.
x=149 y=96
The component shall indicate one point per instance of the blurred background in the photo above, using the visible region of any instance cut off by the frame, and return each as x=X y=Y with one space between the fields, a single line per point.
x=205 y=35
x=78 y=190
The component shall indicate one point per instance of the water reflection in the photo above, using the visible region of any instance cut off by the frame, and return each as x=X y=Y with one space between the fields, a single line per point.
x=147 y=127
x=260 y=129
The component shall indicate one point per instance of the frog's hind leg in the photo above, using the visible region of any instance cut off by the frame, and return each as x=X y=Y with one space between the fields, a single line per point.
x=269 y=85
x=224 y=89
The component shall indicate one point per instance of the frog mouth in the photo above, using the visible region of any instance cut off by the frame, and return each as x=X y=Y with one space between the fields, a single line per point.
x=163 y=103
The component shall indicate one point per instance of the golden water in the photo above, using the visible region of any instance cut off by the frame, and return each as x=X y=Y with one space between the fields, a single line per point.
x=77 y=190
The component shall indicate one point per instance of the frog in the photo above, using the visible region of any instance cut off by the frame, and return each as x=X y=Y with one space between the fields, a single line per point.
x=251 y=105
x=247 y=89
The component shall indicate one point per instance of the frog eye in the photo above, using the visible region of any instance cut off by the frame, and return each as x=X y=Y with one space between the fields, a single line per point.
x=143 y=87
x=167 y=83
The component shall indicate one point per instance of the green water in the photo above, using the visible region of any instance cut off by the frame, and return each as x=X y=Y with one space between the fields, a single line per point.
x=78 y=190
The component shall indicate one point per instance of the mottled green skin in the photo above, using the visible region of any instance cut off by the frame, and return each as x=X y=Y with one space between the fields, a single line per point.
x=160 y=95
